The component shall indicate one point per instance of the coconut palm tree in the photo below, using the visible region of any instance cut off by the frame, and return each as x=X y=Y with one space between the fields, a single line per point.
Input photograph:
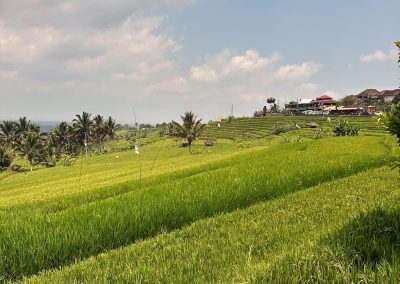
x=111 y=127
x=190 y=129
x=8 y=133
x=99 y=131
x=25 y=126
x=64 y=135
x=30 y=147
x=6 y=158
x=83 y=127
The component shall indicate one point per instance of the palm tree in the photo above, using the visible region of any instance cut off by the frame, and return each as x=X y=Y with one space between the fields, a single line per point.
x=111 y=127
x=83 y=126
x=190 y=129
x=25 y=126
x=29 y=147
x=64 y=135
x=8 y=133
x=99 y=130
x=6 y=158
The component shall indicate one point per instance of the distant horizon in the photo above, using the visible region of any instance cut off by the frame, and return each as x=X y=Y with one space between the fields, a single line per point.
x=156 y=122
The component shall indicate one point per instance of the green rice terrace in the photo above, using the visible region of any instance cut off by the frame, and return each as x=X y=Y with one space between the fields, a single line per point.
x=277 y=199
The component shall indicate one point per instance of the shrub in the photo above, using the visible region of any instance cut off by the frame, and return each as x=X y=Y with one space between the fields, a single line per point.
x=344 y=128
x=392 y=121
x=279 y=130
x=67 y=160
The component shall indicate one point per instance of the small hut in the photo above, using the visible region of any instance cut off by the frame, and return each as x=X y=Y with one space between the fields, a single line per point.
x=185 y=143
x=312 y=125
x=208 y=142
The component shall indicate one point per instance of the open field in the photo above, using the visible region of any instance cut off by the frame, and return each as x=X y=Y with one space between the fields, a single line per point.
x=264 y=200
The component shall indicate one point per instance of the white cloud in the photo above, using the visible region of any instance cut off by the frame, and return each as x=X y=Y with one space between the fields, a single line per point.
x=175 y=85
x=14 y=48
x=379 y=55
x=107 y=62
x=249 y=62
x=77 y=13
x=203 y=73
x=309 y=86
x=297 y=71
x=252 y=97
x=225 y=65
x=8 y=75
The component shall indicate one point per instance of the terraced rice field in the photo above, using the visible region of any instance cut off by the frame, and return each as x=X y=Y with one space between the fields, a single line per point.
x=264 y=126
x=266 y=212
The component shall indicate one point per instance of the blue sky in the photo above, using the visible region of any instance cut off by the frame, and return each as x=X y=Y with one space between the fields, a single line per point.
x=164 y=57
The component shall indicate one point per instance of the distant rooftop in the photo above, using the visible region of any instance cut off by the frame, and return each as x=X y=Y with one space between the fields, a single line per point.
x=305 y=101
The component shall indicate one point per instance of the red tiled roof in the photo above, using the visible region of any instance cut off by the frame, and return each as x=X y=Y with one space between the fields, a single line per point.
x=325 y=97
x=325 y=101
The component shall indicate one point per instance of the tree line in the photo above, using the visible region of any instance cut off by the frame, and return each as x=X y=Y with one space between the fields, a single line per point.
x=23 y=138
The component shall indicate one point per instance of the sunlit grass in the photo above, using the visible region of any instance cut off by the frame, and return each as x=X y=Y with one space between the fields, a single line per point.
x=266 y=243
x=69 y=232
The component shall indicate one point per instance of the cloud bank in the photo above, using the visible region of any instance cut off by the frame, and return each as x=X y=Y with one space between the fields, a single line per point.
x=59 y=58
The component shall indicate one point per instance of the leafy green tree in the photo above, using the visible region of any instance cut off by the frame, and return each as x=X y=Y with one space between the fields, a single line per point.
x=347 y=101
x=264 y=110
x=392 y=121
x=190 y=129
x=271 y=101
x=30 y=147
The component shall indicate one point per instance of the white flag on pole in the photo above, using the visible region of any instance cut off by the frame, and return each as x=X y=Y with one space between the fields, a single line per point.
x=137 y=149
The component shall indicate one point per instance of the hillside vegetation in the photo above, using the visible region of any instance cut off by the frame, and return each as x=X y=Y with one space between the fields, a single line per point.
x=262 y=127
x=228 y=213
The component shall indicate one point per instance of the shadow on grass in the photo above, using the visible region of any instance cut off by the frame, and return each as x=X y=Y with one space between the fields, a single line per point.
x=365 y=250
x=370 y=239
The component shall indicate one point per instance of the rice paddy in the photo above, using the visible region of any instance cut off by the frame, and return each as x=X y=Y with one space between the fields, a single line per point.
x=259 y=208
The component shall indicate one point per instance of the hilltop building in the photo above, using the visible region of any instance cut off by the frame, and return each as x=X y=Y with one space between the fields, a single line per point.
x=369 y=96
x=367 y=102
x=311 y=105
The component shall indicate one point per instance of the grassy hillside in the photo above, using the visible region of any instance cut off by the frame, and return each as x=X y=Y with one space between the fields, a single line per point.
x=264 y=126
x=53 y=218
x=255 y=244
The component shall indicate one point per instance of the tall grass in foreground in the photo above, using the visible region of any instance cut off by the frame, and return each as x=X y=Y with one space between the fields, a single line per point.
x=30 y=243
x=256 y=244
x=365 y=250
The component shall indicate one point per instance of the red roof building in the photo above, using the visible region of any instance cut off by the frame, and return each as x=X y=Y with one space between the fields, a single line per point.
x=324 y=101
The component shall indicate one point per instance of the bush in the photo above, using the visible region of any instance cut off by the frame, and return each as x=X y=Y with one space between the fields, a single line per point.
x=392 y=121
x=344 y=128
x=279 y=130
x=67 y=160
x=6 y=158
